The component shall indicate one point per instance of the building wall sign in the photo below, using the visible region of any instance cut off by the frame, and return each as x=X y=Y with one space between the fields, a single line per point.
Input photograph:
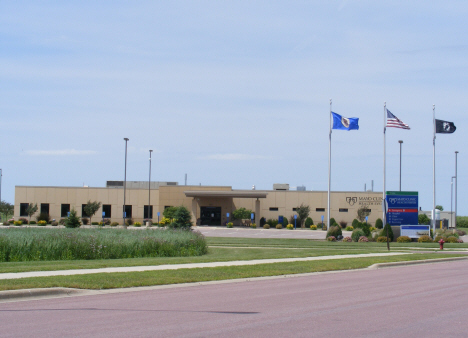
x=402 y=207
x=364 y=201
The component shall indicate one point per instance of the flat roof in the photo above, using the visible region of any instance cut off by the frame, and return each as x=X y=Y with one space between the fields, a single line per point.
x=232 y=194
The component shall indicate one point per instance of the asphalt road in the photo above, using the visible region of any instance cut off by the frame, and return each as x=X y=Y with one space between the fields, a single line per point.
x=426 y=300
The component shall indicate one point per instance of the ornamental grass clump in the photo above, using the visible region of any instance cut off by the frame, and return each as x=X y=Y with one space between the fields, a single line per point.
x=71 y=244
x=334 y=231
x=403 y=239
x=363 y=239
x=425 y=239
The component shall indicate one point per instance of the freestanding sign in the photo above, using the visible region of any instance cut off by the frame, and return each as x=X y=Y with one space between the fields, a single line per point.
x=402 y=207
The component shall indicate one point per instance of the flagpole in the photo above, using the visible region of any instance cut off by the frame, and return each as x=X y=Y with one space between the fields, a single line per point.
x=329 y=167
x=433 y=171
x=384 y=163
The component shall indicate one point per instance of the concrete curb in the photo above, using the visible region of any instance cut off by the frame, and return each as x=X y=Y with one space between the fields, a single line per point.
x=425 y=261
x=39 y=293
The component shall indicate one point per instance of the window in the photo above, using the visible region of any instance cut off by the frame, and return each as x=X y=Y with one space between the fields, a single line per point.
x=145 y=212
x=273 y=209
x=128 y=211
x=23 y=207
x=106 y=209
x=83 y=212
x=294 y=209
x=343 y=210
x=167 y=206
x=367 y=210
x=319 y=209
x=65 y=210
x=45 y=208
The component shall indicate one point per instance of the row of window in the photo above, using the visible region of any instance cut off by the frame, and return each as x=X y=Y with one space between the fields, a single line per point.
x=319 y=209
x=106 y=210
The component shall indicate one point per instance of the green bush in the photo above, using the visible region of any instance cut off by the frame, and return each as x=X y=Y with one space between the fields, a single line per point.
x=355 y=223
x=382 y=239
x=32 y=222
x=72 y=221
x=262 y=221
x=137 y=224
x=331 y=239
x=23 y=220
x=379 y=223
x=230 y=225
x=169 y=212
x=94 y=223
x=451 y=239
x=308 y=222
x=357 y=233
x=241 y=213
x=280 y=226
x=423 y=219
x=425 y=239
x=69 y=244
x=349 y=228
x=388 y=229
x=267 y=226
x=85 y=220
x=285 y=222
x=333 y=222
x=462 y=222
x=272 y=222
x=182 y=219
x=403 y=239
x=43 y=217
x=290 y=226
x=42 y=223
x=313 y=227
x=335 y=231
x=129 y=221
x=343 y=224
x=114 y=224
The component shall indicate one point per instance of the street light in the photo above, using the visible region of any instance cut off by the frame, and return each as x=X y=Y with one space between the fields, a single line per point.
x=125 y=182
x=401 y=142
x=456 y=183
x=451 y=196
x=149 y=187
x=1 y=174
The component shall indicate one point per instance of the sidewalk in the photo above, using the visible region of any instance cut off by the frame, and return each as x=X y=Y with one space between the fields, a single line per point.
x=16 y=275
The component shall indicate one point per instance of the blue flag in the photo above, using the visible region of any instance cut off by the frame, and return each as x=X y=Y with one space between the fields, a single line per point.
x=340 y=122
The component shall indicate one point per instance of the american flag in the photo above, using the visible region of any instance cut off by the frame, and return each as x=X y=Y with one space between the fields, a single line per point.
x=393 y=121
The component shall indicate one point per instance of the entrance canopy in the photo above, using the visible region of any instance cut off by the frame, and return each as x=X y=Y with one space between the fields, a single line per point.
x=232 y=194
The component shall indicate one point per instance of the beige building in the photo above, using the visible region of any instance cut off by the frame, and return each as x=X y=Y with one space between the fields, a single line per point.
x=209 y=204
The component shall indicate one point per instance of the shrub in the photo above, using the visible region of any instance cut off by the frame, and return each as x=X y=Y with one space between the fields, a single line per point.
x=129 y=221
x=423 y=219
x=460 y=240
x=253 y=226
x=290 y=227
x=425 y=239
x=280 y=226
x=363 y=239
x=309 y=222
x=343 y=224
x=137 y=224
x=23 y=220
x=371 y=228
x=165 y=221
x=387 y=228
x=272 y=222
x=32 y=222
x=42 y=223
x=331 y=239
x=169 y=212
x=403 y=239
x=436 y=239
x=460 y=232
x=262 y=221
x=267 y=226
x=355 y=223
x=72 y=221
x=285 y=221
x=241 y=213
x=382 y=239
x=357 y=233
x=334 y=231
x=347 y=239
x=94 y=223
x=114 y=224
x=452 y=239
x=54 y=223
x=313 y=227
x=182 y=219
x=333 y=222
x=85 y=220
x=461 y=222
x=379 y=223
x=230 y=225
x=17 y=223
x=43 y=217
x=349 y=228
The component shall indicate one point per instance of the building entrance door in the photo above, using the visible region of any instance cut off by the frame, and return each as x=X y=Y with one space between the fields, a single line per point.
x=210 y=215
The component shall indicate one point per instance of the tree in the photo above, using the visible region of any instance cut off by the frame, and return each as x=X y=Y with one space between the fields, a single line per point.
x=72 y=221
x=379 y=223
x=302 y=213
x=6 y=209
x=423 y=219
x=91 y=208
x=241 y=213
x=362 y=212
x=182 y=218
x=31 y=210
x=441 y=208
x=169 y=212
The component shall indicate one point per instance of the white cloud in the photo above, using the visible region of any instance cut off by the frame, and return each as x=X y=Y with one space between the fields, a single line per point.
x=63 y=152
x=233 y=157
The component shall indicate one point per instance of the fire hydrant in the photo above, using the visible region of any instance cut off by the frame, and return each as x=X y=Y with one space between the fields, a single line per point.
x=441 y=242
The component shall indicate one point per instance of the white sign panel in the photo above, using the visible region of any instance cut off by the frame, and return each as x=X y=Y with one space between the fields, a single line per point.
x=415 y=231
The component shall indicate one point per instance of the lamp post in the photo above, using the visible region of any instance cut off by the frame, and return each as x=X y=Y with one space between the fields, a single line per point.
x=149 y=187
x=451 y=197
x=456 y=183
x=401 y=142
x=125 y=182
x=1 y=174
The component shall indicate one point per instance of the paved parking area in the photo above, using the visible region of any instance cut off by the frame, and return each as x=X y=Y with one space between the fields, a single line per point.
x=213 y=231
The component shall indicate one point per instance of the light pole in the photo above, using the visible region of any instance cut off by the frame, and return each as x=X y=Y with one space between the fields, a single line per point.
x=125 y=182
x=1 y=174
x=401 y=142
x=149 y=188
x=451 y=197
x=456 y=183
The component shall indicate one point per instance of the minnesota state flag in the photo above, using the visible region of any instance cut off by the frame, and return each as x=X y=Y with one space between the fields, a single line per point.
x=344 y=123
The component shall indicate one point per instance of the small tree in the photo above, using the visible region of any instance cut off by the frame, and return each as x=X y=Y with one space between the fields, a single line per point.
x=6 y=209
x=362 y=212
x=423 y=219
x=72 y=221
x=441 y=208
x=302 y=213
x=379 y=223
x=241 y=213
x=31 y=210
x=388 y=230
x=182 y=218
x=91 y=208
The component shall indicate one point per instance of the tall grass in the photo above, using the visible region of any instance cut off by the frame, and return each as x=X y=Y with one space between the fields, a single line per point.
x=68 y=244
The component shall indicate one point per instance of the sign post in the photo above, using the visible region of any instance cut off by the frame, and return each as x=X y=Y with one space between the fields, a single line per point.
x=295 y=218
x=322 y=221
x=227 y=215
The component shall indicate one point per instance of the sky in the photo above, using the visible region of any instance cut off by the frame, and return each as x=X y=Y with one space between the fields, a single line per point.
x=233 y=93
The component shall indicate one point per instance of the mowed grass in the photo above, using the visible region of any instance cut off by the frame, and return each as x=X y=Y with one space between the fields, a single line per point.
x=149 y=278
